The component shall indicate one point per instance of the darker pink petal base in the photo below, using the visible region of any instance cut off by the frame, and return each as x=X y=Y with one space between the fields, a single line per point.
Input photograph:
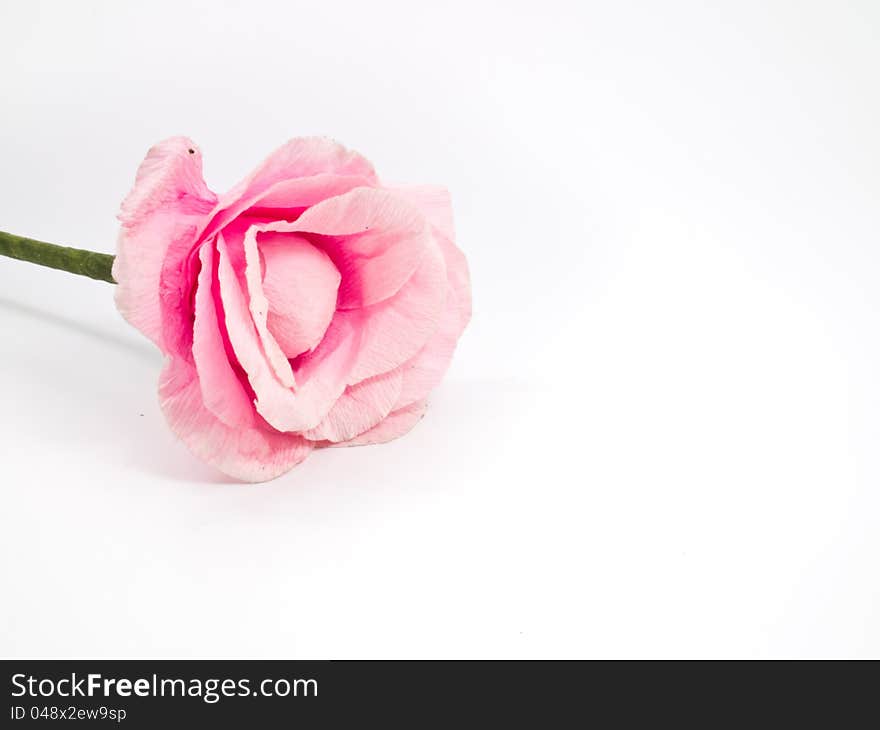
x=310 y=306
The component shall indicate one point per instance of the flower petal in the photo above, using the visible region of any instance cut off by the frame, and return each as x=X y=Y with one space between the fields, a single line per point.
x=161 y=217
x=300 y=283
x=434 y=203
x=359 y=408
x=376 y=240
x=250 y=453
x=316 y=391
x=298 y=174
x=397 y=424
x=393 y=331
x=424 y=372
x=385 y=335
x=259 y=309
x=222 y=391
x=304 y=192
x=459 y=277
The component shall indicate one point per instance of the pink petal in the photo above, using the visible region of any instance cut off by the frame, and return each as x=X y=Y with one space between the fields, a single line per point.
x=397 y=424
x=300 y=283
x=304 y=192
x=434 y=203
x=244 y=339
x=222 y=391
x=161 y=216
x=393 y=331
x=259 y=309
x=300 y=173
x=424 y=372
x=376 y=240
x=316 y=392
x=249 y=453
x=359 y=408
x=378 y=339
x=459 y=277
x=322 y=374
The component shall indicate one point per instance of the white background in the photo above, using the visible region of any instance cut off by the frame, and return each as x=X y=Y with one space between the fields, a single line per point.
x=659 y=437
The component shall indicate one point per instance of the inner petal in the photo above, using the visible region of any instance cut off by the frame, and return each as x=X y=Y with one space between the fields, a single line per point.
x=301 y=284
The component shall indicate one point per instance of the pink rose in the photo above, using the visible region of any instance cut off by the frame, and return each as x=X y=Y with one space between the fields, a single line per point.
x=310 y=306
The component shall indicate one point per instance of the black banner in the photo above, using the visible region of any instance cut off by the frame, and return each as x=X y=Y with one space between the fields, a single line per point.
x=151 y=694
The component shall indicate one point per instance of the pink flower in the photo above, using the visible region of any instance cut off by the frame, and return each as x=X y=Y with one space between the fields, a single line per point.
x=310 y=306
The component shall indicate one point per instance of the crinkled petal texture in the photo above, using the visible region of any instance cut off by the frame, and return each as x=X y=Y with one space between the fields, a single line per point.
x=310 y=306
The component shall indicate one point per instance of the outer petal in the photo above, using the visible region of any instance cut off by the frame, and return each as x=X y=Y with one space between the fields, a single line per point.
x=434 y=203
x=397 y=424
x=359 y=408
x=296 y=175
x=425 y=371
x=252 y=453
x=304 y=192
x=459 y=278
x=160 y=219
x=395 y=330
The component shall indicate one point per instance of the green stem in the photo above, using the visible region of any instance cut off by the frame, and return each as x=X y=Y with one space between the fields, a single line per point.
x=75 y=260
